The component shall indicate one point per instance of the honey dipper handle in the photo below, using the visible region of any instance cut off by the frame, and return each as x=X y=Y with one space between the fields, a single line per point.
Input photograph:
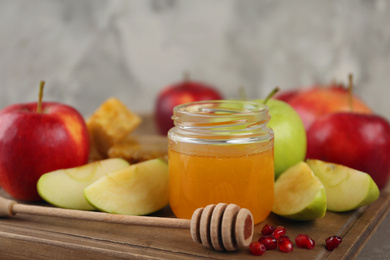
x=6 y=206
x=9 y=208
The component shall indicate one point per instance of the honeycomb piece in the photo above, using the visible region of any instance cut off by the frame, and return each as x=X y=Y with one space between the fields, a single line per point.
x=140 y=148
x=109 y=124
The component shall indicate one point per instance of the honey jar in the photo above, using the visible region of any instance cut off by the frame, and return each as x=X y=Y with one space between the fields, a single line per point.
x=221 y=151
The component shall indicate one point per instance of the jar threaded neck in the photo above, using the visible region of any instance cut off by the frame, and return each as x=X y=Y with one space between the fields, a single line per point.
x=221 y=119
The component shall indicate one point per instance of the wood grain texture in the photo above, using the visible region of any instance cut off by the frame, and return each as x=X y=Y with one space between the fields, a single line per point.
x=37 y=237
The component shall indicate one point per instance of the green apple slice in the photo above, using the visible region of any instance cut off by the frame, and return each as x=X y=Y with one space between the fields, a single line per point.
x=139 y=189
x=64 y=188
x=299 y=194
x=346 y=188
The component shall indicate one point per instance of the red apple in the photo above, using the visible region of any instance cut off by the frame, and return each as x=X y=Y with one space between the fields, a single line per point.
x=179 y=93
x=359 y=141
x=320 y=100
x=33 y=143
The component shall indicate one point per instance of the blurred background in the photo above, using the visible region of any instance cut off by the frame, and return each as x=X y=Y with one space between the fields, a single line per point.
x=90 y=50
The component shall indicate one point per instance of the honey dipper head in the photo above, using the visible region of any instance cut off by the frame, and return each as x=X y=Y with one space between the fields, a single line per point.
x=222 y=227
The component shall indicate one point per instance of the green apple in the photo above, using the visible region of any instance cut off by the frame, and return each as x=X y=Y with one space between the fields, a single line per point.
x=289 y=135
x=65 y=188
x=139 y=189
x=299 y=194
x=346 y=188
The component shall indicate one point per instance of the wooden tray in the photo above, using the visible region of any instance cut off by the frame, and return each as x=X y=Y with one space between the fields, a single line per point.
x=33 y=237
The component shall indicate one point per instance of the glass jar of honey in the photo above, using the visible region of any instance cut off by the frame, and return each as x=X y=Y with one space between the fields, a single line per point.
x=221 y=151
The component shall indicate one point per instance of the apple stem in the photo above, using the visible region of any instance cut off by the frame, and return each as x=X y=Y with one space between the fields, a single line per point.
x=350 y=90
x=270 y=95
x=39 y=107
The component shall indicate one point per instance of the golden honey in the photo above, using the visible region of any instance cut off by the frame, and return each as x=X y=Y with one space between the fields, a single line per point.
x=221 y=151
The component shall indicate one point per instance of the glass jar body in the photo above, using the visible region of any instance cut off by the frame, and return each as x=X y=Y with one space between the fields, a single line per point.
x=225 y=156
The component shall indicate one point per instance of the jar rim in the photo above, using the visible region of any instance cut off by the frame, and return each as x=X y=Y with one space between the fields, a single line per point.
x=224 y=107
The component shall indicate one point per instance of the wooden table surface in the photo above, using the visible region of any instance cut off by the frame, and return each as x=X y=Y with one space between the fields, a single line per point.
x=36 y=237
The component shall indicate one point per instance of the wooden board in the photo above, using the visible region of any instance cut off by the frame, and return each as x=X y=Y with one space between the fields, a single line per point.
x=32 y=237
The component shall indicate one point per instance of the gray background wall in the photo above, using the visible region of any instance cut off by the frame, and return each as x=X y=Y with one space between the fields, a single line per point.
x=89 y=50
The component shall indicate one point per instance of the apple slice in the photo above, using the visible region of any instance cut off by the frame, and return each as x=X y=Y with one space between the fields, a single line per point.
x=64 y=188
x=139 y=189
x=299 y=194
x=346 y=188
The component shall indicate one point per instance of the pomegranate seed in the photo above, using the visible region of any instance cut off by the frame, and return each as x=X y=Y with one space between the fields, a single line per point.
x=333 y=242
x=283 y=238
x=269 y=241
x=267 y=230
x=257 y=248
x=304 y=241
x=285 y=244
x=279 y=231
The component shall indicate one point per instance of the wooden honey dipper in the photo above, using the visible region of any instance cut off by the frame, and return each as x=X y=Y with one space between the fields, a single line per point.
x=221 y=227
